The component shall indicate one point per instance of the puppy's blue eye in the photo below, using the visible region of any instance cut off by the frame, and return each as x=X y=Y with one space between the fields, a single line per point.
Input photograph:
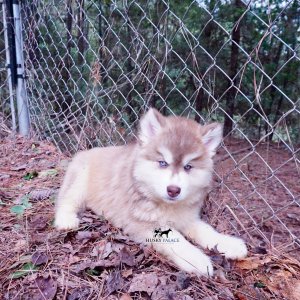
x=163 y=164
x=187 y=167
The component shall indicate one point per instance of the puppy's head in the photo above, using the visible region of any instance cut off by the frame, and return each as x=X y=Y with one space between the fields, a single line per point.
x=175 y=160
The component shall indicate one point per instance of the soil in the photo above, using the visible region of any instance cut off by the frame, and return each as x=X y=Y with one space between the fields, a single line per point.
x=255 y=195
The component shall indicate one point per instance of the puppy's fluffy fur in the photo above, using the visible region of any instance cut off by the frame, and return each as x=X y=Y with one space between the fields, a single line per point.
x=160 y=181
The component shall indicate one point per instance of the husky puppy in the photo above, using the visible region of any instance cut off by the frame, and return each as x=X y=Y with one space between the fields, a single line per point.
x=158 y=182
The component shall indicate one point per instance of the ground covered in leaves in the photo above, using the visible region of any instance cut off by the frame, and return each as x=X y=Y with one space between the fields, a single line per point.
x=98 y=261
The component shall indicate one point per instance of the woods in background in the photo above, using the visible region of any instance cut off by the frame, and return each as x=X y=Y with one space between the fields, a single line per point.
x=225 y=60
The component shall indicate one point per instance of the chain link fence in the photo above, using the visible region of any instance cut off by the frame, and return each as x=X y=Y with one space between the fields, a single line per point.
x=93 y=67
x=5 y=113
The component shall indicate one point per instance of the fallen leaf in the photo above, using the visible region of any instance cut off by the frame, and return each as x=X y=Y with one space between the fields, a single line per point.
x=19 y=168
x=68 y=248
x=117 y=247
x=48 y=173
x=144 y=283
x=47 y=288
x=23 y=204
x=126 y=273
x=88 y=264
x=102 y=250
x=252 y=263
x=227 y=294
x=87 y=235
x=83 y=266
x=164 y=291
x=25 y=270
x=38 y=222
x=20 y=244
x=114 y=282
x=79 y=293
x=40 y=194
x=125 y=297
x=24 y=259
x=220 y=276
x=240 y=296
x=126 y=257
x=73 y=259
x=183 y=280
x=39 y=258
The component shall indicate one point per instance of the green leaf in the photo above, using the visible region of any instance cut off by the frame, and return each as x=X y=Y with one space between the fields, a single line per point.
x=25 y=270
x=259 y=284
x=30 y=175
x=20 y=208
x=48 y=173
x=93 y=272
x=25 y=202
x=17 y=209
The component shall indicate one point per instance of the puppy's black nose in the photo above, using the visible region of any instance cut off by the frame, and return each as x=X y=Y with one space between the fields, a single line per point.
x=173 y=191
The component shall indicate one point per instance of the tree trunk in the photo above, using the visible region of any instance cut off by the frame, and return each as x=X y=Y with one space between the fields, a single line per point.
x=80 y=32
x=231 y=93
x=65 y=105
x=69 y=23
x=33 y=36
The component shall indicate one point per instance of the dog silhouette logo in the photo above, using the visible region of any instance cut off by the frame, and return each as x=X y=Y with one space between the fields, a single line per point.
x=163 y=236
x=161 y=233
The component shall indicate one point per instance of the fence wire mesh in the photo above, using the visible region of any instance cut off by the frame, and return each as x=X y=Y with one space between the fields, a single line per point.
x=93 y=67
x=5 y=114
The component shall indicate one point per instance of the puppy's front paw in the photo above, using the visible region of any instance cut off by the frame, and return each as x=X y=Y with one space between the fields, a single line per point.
x=195 y=262
x=66 y=221
x=232 y=247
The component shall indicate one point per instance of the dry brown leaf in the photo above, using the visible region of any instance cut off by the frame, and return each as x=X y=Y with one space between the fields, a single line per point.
x=240 y=296
x=39 y=258
x=38 y=222
x=79 y=293
x=20 y=245
x=125 y=297
x=73 y=259
x=19 y=168
x=41 y=194
x=84 y=236
x=114 y=282
x=221 y=277
x=102 y=250
x=144 y=283
x=183 y=280
x=117 y=247
x=126 y=257
x=252 y=263
x=47 y=288
x=126 y=273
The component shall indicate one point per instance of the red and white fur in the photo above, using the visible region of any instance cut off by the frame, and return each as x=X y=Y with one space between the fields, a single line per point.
x=161 y=179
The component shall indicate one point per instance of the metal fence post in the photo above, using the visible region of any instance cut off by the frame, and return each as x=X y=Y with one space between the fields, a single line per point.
x=15 y=65
x=22 y=102
x=9 y=68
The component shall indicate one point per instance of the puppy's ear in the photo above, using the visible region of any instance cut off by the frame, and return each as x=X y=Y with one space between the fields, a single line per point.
x=150 y=125
x=212 y=137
